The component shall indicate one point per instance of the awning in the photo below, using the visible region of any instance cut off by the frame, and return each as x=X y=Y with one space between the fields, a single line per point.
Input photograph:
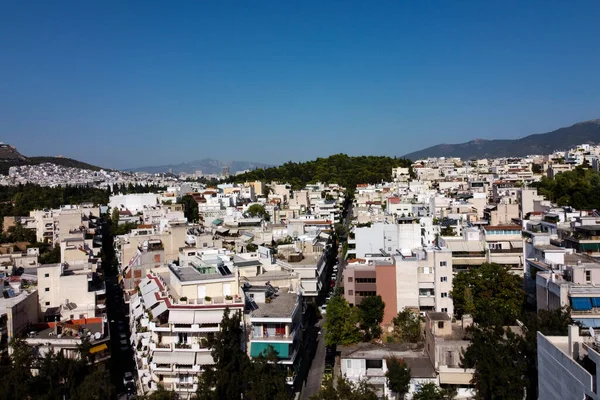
x=137 y=312
x=596 y=301
x=282 y=349
x=581 y=303
x=588 y=322
x=222 y=230
x=150 y=300
x=181 y=317
x=204 y=358
x=150 y=287
x=98 y=348
x=171 y=357
x=208 y=317
x=159 y=309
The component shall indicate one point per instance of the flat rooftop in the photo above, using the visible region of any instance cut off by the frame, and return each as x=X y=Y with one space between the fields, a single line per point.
x=190 y=274
x=281 y=306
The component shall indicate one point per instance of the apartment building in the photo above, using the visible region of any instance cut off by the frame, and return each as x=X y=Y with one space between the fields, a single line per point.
x=53 y=226
x=568 y=366
x=173 y=314
x=574 y=285
x=504 y=245
x=368 y=362
x=585 y=239
x=276 y=320
x=69 y=291
x=405 y=234
x=150 y=255
x=17 y=313
x=468 y=250
x=445 y=342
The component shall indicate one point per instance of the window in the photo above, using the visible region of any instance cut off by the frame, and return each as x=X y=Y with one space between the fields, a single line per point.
x=378 y=364
x=46 y=289
x=348 y=363
x=365 y=294
x=494 y=246
x=444 y=309
x=365 y=280
x=47 y=303
x=444 y=279
x=588 y=276
x=349 y=279
x=444 y=295
x=350 y=292
x=204 y=244
x=443 y=263
x=441 y=324
x=46 y=275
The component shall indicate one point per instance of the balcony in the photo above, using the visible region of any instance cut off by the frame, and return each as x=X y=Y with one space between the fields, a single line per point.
x=375 y=372
x=515 y=251
x=273 y=338
x=185 y=387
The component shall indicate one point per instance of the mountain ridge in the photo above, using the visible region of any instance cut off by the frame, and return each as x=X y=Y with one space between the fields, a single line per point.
x=10 y=157
x=206 y=165
x=537 y=143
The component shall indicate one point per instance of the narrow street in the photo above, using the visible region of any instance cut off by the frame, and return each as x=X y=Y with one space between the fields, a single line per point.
x=317 y=367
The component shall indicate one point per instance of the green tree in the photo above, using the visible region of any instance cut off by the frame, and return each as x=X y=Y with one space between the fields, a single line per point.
x=407 y=326
x=115 y=217
x=258 y=211
x=371 y=314
x=398 y=376
x=190 y=208
x=266 y=378
x=346 y=390
x=51 y=256
x=501 y=373
x=497 y=294
x=341 y=324
x=431 y=391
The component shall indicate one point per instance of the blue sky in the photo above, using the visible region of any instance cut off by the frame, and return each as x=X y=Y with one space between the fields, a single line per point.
x=132 y=83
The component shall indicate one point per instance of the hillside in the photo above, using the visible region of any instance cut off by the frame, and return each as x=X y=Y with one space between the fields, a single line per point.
x=339 y=168
x=9 y=157
x=206 y=165
x=542 y=143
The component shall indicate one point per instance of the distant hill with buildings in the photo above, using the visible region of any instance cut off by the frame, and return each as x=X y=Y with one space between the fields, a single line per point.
x=10 y=156
x=542 y=143
x=208 y=166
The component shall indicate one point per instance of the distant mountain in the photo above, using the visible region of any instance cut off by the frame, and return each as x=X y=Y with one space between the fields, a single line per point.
x=542 y=143
x=207 y=166
x=9 y=157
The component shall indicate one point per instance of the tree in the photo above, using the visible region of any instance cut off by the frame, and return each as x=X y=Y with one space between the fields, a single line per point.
x=499 y=359
x=258 y=211
x=190 y=208
x=371 y=314
x=398 y=376
x=431 y=391
x=341 y=325
x=346 y=390
x=233 y=375
x=407 y=326
x=497 y=295
x=115 y=216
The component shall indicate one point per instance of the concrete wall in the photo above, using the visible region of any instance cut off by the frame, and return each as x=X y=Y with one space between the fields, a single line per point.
x=21 y=311
x=386 y=288
x=560 y=377
x=407 y=284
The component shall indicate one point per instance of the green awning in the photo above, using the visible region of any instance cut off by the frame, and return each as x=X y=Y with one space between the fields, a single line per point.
x=217 y=221
x=282 y=349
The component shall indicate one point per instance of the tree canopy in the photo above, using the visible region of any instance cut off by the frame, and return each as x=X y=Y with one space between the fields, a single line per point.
x=579 y=188
x=341 y=324
x=490 y=292
x=346 y=390
x=233 y=374
x=499 y=359
x=190 y=208
x=371 y=314
x=431 y=391
x=407 y=326
x=398 y=376
x=258 y=211
x=339 y=168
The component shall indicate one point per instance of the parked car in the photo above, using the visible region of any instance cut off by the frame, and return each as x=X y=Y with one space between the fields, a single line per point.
x=128 y=379
x=324 y=309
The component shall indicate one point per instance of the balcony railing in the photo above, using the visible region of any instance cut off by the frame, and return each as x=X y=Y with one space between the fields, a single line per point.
x=507 y=251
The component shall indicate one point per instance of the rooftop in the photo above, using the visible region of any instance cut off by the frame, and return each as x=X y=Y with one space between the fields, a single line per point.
x=281 y=306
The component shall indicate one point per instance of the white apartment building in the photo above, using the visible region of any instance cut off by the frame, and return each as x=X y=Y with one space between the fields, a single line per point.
x=70 y=292
x=133 y=202
x=172 y=315
x=390 y=238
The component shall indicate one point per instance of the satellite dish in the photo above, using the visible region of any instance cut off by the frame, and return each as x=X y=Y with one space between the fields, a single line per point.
x=97 y=335
x=592 y=333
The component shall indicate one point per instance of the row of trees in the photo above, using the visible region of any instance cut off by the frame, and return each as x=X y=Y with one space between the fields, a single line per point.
x=339 y=168
x=131 y=188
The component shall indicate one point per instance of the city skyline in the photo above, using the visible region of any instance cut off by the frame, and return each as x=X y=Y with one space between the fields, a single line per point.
x=147 y=84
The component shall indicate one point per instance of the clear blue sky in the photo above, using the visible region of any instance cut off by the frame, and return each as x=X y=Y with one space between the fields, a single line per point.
x=132 y=83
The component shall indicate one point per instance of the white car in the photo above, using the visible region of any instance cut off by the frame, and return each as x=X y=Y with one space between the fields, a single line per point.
x=128 y=379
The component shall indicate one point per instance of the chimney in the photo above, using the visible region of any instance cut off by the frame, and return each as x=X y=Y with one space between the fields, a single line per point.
x=573 y=340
